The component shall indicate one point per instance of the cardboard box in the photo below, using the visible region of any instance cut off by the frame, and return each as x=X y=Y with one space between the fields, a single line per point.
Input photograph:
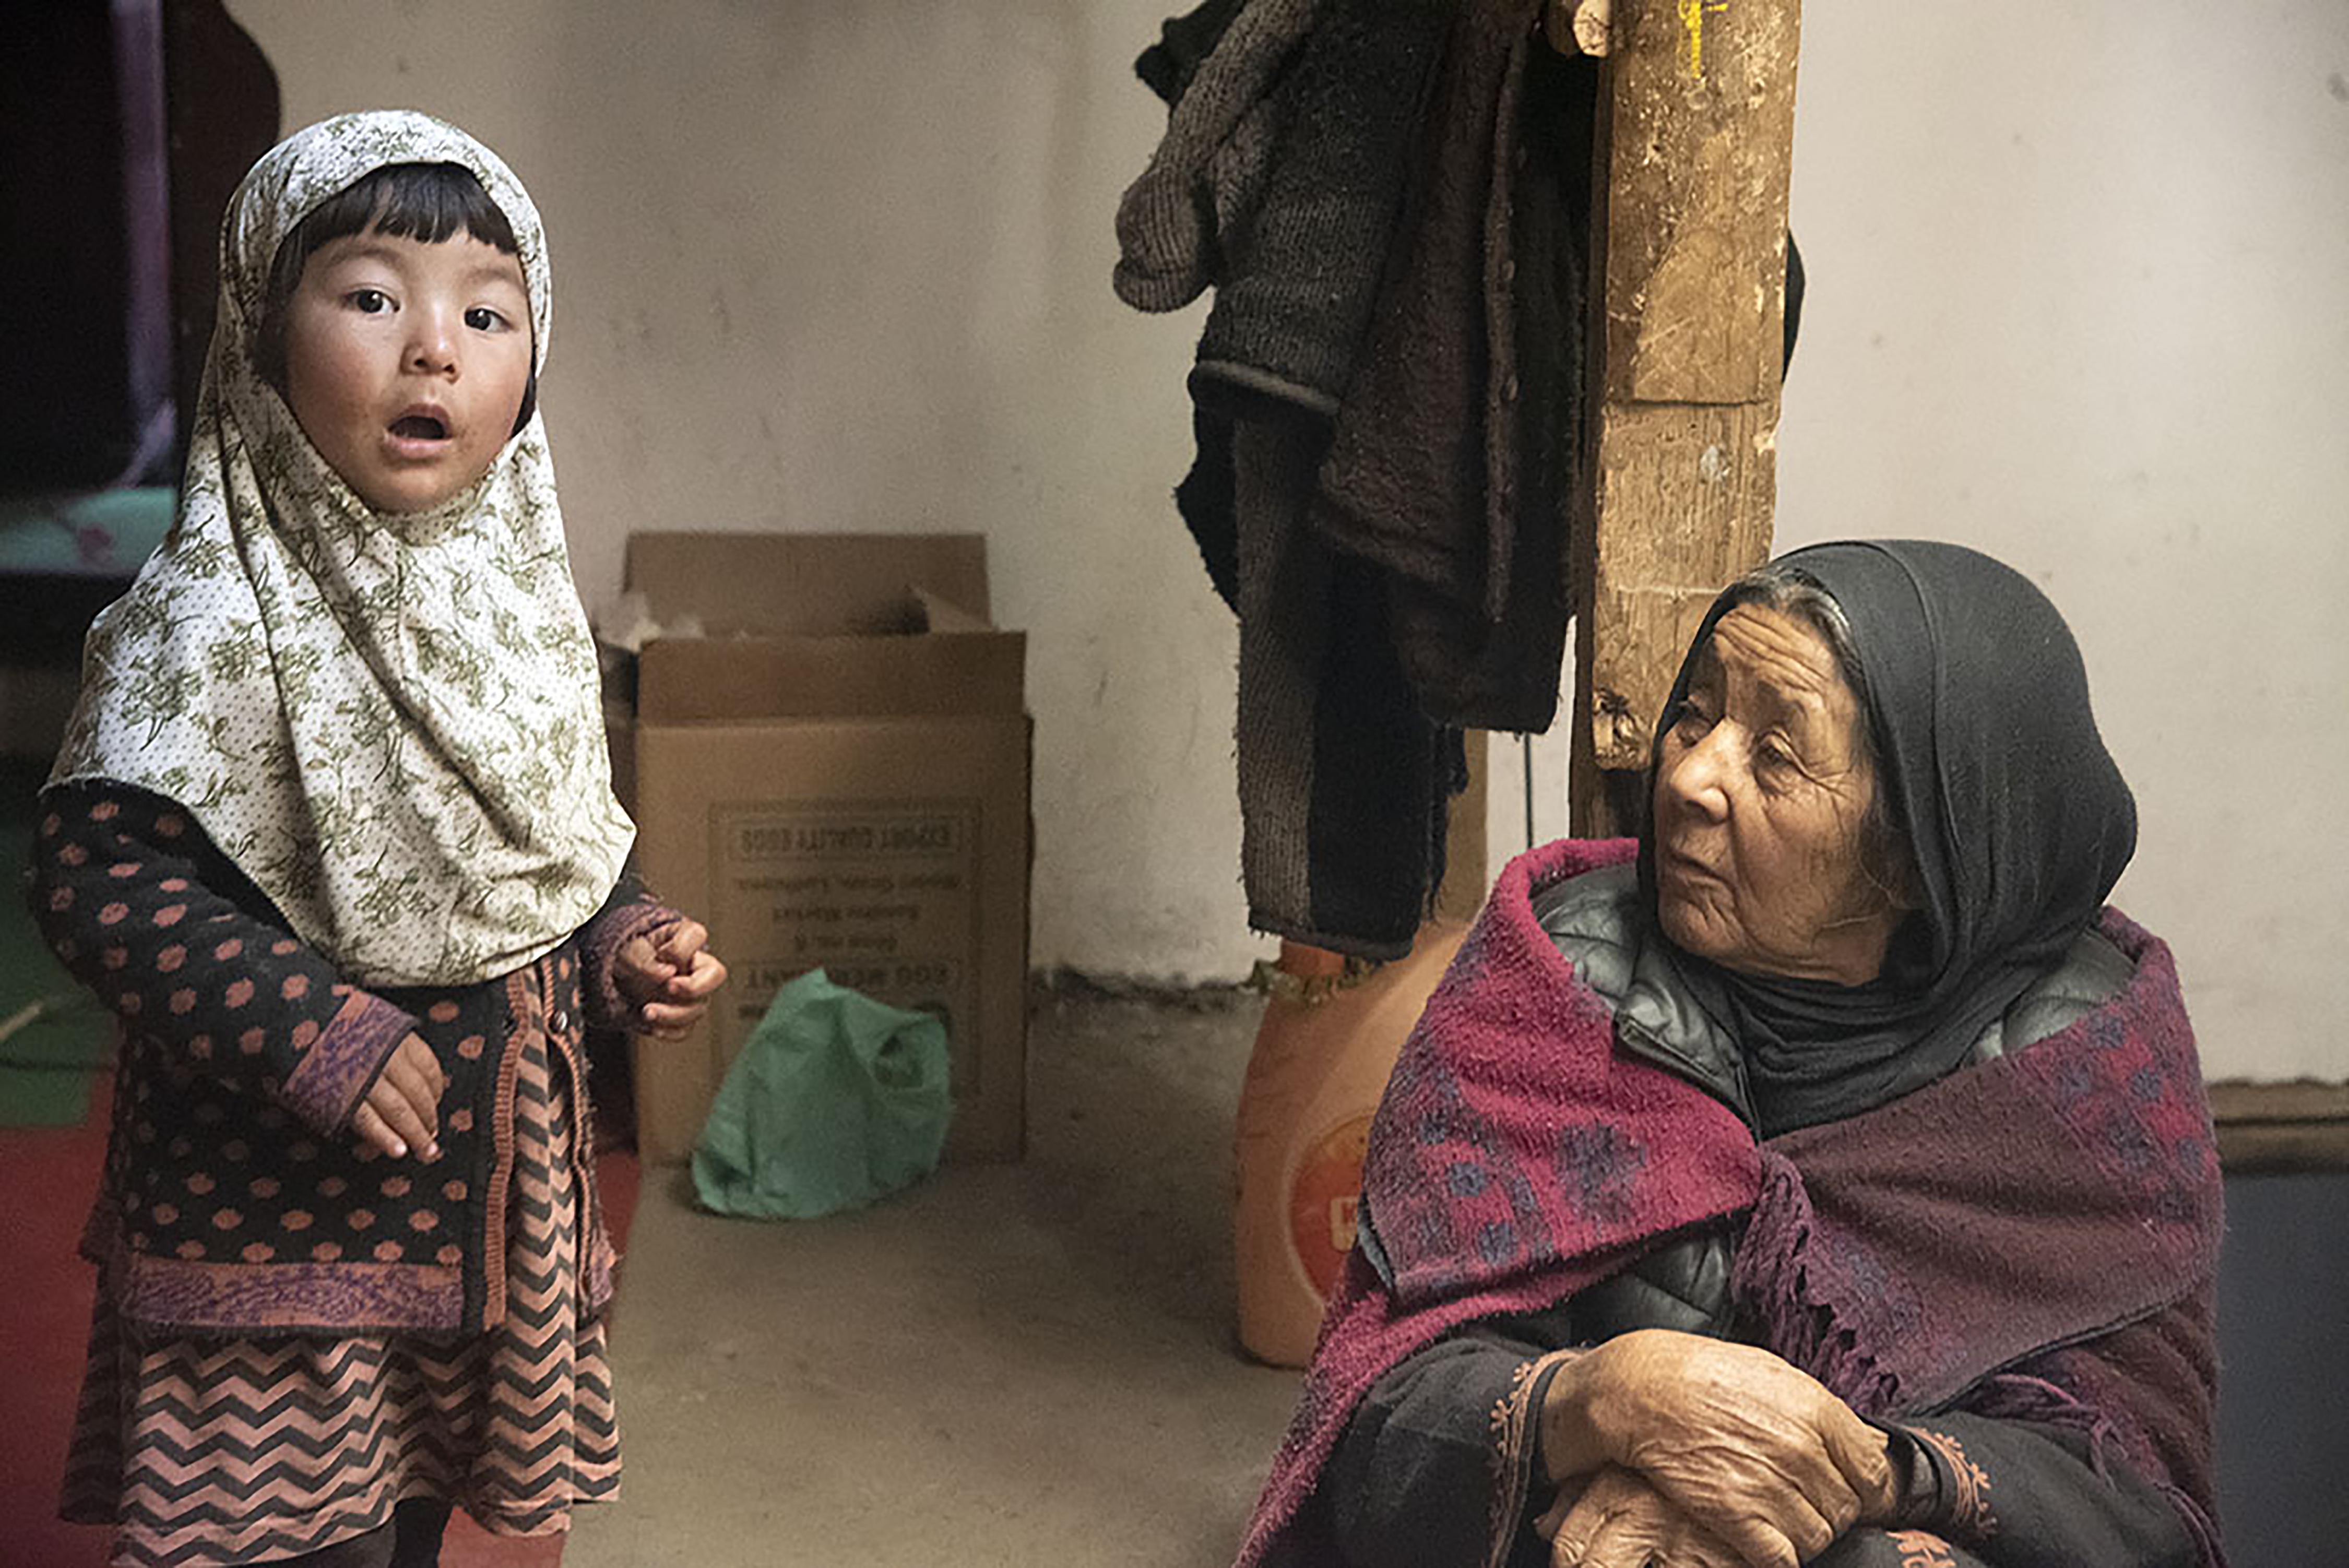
x=836 y=776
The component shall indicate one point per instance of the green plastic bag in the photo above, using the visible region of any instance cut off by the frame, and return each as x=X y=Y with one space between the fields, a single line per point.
x=836 y=1100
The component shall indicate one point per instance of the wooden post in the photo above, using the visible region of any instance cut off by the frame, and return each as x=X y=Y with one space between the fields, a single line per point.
x=1695 y=140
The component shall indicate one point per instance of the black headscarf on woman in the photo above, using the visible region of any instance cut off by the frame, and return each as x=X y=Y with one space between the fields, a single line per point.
x=2017 y=819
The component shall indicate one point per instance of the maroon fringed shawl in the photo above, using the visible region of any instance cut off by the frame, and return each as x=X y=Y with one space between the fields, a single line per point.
x=2033 y=1238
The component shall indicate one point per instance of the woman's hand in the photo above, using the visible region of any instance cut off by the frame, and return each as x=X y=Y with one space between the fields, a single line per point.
x=402 y=1108
x=1619 y=1521
x=1738 y=1440
x=668 y=977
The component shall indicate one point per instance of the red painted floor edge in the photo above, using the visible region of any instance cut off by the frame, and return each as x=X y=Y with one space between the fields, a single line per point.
x=46 y=1178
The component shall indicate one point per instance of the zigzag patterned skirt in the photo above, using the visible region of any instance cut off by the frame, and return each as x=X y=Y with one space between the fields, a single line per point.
x=215 y=1451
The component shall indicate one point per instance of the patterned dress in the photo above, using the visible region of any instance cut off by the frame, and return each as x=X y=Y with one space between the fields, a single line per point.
x=485 y=1381
x=218 y=1450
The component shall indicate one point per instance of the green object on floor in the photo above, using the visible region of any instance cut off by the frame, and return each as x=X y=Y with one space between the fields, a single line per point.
x=835 y=1100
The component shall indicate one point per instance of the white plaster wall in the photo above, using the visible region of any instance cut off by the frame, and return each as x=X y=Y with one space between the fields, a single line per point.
x=2077 y=272
x=2080 y=297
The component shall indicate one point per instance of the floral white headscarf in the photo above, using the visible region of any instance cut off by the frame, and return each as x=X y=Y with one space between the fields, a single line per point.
x=390 y=723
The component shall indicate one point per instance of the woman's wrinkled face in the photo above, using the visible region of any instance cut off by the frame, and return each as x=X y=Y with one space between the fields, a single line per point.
x=1761 y=788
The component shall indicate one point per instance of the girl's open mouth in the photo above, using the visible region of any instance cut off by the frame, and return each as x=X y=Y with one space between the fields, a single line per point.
x=419 y=428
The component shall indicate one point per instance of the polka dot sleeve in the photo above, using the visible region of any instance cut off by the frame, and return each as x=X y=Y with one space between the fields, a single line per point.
x=139 y=906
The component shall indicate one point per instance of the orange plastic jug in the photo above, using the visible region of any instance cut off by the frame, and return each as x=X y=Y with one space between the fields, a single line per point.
x=1321 y=1059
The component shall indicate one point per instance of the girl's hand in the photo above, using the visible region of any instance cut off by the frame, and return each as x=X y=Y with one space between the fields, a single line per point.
x=1738 y=1440
x=1618 y=1521
x=402 y=1110
x=668 y=977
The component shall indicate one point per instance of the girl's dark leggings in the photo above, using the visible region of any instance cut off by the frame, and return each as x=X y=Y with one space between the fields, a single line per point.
x=412 y=1540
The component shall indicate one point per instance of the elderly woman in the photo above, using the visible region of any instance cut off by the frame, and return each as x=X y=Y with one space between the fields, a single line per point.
x=1829 y=1182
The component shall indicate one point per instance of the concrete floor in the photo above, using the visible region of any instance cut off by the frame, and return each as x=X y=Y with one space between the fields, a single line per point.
x=1029 y=1364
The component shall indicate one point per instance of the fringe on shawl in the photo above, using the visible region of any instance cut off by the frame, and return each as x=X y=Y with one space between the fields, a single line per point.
x=1770 y=1278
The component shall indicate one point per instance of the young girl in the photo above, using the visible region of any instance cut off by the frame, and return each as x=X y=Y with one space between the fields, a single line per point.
x=332 y=832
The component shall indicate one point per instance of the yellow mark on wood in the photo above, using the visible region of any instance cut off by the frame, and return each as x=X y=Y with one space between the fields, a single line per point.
x=1693 y=18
